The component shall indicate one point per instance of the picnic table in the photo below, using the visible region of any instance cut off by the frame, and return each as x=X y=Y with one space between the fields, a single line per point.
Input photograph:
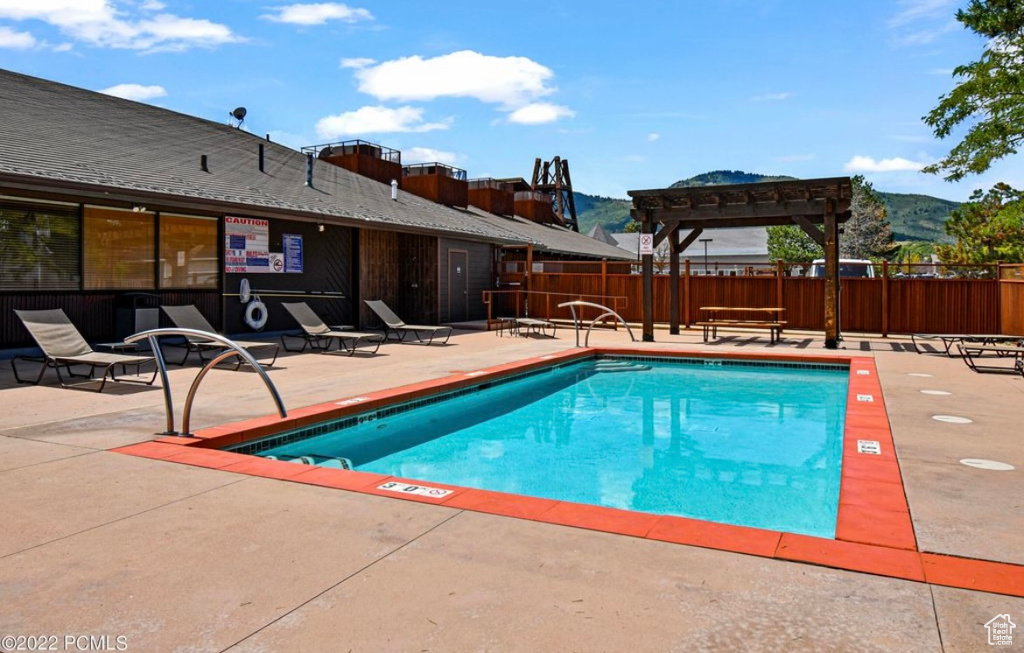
x=742 y=317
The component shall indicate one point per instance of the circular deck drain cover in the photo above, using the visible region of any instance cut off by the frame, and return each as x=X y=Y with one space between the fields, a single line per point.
x=935 y=392
x=952 y=419
x=921 y=374
x=981 y=463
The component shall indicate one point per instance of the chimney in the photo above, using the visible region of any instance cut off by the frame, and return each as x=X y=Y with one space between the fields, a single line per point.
x=535 y=205
x=202 y=163
x=492 y=195
x=366 y=159
x=309 y=169
x=261 y=157
x=437 y=182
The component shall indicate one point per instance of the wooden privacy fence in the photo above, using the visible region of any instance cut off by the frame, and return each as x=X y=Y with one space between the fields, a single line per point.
x=885 y=304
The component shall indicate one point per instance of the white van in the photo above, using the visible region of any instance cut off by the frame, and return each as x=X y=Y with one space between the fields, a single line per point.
x=848 y=267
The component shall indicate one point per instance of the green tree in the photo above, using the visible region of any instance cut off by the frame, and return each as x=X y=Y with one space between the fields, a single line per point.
x=791 y=245
x=991 y=92
x=989 y=228
x=632 y=227
x=867 y=234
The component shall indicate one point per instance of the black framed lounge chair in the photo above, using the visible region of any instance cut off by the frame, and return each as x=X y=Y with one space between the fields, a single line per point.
x=393 y=325
x=317 y=335
x=188 y=316
x=950 y=339
x=64 y=348
x=992 y=358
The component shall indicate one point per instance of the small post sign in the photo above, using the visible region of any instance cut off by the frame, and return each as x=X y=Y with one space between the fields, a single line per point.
x=646 y=244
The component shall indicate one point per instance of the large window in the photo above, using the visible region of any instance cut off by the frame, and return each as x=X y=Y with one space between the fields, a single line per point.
x=188 y=252
x=39 y=244
x=119 y=249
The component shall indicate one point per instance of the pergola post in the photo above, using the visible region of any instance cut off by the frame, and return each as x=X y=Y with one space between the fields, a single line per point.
x=673 y=274
x=647 y=227
x=831 y=276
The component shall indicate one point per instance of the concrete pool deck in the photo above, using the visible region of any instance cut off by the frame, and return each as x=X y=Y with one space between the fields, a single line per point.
x=180 y=557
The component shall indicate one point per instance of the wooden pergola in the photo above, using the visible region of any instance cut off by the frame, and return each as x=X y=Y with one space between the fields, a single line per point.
x=681 y=215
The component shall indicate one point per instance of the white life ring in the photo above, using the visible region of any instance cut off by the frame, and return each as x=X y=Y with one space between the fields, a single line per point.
x=256 y=314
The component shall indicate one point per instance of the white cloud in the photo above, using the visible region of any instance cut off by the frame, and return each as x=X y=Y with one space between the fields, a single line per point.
x=920 y=22
x=508 y=81
x=16 y=40
x=357 y=62
x=913 y=11
x=867 y=164
x=376 y=120
x=539 y=113
x=771 y=97
x=102 y=24
x=136 y=92
x=653 y=136
x=318 y=13
x=429 y=155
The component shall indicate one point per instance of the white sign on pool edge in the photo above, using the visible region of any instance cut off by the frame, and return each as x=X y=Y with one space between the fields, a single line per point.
x=421 y=490
x=869 y=446
x=865 y=398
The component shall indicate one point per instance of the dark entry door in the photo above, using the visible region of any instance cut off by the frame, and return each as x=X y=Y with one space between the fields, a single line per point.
x=458 y=285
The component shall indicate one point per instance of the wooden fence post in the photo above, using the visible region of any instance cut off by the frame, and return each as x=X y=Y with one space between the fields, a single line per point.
x=885 y=299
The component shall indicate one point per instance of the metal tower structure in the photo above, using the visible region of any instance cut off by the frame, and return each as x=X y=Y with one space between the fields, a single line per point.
x=553 y=177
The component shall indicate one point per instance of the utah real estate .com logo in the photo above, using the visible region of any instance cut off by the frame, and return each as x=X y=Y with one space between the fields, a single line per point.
x=1000 y=630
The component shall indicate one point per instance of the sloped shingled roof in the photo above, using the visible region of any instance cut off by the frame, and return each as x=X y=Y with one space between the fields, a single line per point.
x=59 y=138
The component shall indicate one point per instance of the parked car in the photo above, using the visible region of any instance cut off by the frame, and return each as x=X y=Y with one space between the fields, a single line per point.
x=848 y=267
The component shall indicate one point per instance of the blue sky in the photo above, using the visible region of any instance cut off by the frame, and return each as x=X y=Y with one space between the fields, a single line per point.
x=634 y=94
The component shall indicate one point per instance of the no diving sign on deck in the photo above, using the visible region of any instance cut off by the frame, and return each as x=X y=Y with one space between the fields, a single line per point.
x=646 y=244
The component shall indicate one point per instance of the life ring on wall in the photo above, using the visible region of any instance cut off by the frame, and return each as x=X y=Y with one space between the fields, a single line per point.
x=256 y=314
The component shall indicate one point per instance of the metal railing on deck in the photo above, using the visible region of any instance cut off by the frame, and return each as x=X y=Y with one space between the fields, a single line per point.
x=231 y=349
x=533 y=303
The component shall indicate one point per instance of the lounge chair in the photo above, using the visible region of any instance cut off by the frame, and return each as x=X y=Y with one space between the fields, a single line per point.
x=394 y=325
x=64 y=347
x=316 y=334
x=189 y=317
x=534 y=325
x=980 y=357
x=950 y=339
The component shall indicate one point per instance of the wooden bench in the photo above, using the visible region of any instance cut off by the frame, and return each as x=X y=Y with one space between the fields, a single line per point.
x=715 y=322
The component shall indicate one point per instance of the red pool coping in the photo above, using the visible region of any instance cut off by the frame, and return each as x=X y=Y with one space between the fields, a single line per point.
x=874 y=531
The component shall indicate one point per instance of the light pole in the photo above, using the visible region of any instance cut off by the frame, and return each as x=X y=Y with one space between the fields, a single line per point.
x=706 y=241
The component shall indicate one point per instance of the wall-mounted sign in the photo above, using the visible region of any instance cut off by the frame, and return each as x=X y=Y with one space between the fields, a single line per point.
x=246 y=245
x=292 y=252
x=646 y=244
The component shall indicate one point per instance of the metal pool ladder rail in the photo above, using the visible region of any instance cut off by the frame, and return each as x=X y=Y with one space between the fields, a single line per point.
x=232 y=349
x=577 y=321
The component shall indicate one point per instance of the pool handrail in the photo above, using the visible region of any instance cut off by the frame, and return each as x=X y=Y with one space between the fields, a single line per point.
x=232 y=349
x=607 y=313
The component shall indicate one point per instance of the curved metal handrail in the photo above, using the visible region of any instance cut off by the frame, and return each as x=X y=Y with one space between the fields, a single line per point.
x=232 y=350
x=607 y=313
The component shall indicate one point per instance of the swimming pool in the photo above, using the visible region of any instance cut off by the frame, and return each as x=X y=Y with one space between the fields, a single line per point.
x=752 y=443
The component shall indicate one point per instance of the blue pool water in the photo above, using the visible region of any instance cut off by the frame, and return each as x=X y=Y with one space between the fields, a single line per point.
x=739 y=443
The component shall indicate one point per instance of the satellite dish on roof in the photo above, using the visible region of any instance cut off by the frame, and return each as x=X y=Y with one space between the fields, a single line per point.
x=239 y=115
